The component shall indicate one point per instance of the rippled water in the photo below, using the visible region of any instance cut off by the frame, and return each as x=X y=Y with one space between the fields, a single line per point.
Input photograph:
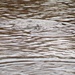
x=37 y=37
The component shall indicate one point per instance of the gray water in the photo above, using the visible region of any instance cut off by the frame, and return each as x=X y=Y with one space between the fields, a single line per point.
x=37 y=37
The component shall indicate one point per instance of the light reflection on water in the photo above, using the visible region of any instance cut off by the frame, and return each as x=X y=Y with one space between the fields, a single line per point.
x=44 y=46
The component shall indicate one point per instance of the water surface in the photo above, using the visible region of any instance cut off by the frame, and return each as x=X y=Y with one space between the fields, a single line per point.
x=37 y=37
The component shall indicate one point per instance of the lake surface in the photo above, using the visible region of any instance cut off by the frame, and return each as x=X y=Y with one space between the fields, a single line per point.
x=37 y=37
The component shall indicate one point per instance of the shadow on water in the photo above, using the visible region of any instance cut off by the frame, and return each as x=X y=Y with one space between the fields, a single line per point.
x=37 y=37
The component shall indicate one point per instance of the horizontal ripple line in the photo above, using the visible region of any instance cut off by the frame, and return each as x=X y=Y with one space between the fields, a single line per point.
x=4 y=61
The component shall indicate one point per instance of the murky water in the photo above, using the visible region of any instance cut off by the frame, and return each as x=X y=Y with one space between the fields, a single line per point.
x=37 y=37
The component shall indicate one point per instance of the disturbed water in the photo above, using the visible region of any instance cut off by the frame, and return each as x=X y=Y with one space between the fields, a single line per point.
x=37 y=37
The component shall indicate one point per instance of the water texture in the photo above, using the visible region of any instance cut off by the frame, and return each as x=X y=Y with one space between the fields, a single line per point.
x=37 y=37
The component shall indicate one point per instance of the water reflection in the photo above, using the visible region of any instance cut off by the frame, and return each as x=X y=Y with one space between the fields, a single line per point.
x=37 y=37
x=44 y=9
